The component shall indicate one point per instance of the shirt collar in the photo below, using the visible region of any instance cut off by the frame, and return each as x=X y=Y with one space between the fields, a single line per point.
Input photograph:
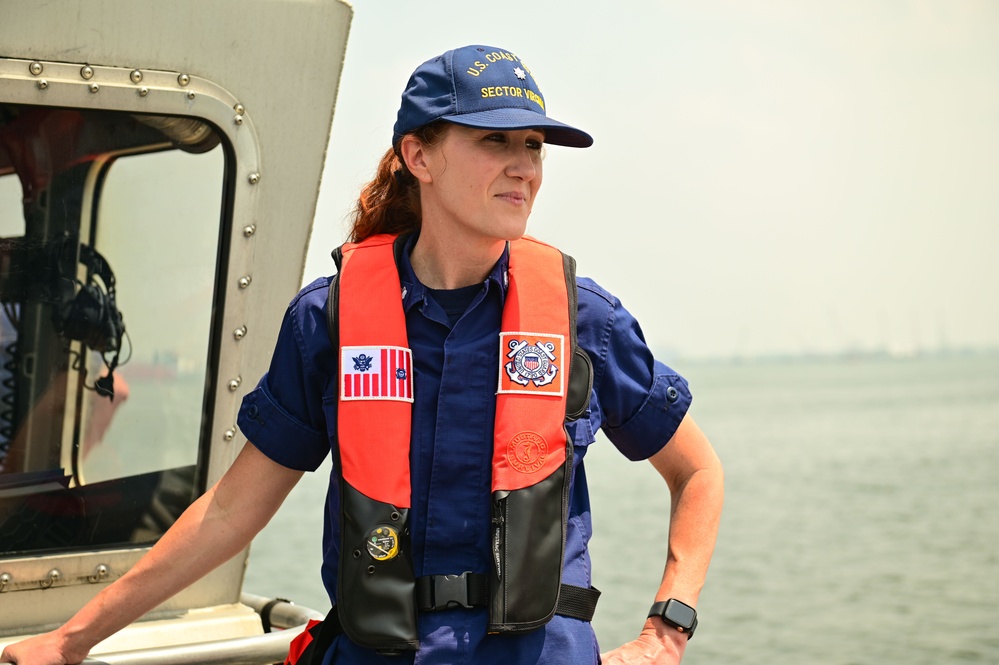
x=413 y=291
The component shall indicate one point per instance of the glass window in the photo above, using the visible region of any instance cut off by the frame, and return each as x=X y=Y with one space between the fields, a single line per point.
x=109 y=244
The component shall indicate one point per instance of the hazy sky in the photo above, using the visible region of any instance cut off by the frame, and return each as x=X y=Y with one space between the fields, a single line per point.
x=773 y=176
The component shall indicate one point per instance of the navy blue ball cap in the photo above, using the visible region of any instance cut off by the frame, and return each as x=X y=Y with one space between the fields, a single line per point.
x=482 y=87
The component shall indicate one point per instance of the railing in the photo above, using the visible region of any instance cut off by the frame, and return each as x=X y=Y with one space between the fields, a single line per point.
x=263 y=649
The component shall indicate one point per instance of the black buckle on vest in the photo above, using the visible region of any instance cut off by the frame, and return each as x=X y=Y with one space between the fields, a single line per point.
x=441 y=592
x=450 y=590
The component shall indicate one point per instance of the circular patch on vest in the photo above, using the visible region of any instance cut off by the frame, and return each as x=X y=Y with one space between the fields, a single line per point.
x=527 y=452
x=383 y=543
x=531 y=362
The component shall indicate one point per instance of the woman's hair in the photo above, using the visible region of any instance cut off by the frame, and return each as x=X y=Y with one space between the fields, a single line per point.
x=391 y=202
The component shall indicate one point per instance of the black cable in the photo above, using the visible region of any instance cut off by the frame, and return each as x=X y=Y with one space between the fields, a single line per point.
x=9 y=388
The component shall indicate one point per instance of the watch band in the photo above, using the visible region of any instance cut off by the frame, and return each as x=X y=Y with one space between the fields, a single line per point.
x=676 y=613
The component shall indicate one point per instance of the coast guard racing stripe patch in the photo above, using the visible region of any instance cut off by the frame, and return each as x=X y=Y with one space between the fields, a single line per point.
x=531 y=363
x=376 y=372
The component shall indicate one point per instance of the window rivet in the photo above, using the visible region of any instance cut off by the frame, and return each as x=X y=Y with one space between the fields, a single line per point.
x=87 y=72
x=136 y=76
x=36 y=68
x=183 y=79
x=5 y=580
x=238 y=119
x=248 y=231
x=245 y=281
x=235 y=383
x=239 y=333
x=50 y=579
x=254 y=178
x=99 y=574
x=190 y=94
x=229 y=435
x=94 y=88
x=143 y=91
x=238 y=108
x=43 y=84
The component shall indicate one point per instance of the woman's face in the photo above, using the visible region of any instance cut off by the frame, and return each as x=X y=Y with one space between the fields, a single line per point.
x=483 y=182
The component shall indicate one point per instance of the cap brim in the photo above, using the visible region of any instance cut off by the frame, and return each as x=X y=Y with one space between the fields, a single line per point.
x=556 y=133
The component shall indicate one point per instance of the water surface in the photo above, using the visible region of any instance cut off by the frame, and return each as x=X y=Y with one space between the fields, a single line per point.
x=859 y=524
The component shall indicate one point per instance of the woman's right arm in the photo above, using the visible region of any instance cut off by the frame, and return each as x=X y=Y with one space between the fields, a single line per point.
x=215 y=528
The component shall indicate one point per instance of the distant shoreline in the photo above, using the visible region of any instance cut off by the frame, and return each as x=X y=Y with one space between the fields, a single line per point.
x=859 y=355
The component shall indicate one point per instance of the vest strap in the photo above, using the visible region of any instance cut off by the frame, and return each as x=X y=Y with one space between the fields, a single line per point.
x=577 y=602
x=468 y=590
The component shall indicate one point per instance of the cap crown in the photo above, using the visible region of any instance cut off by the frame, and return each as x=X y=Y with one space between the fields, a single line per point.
x=480 y=86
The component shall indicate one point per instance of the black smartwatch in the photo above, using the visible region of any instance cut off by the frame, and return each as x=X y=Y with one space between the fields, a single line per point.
x=681 y=616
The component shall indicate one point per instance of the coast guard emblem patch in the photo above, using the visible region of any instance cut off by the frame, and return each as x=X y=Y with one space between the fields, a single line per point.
x=376 y=372
x=530 y=363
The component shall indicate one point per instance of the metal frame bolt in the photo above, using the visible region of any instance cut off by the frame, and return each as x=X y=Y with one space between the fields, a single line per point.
x=239 y=333
x=87 y=72
x=50 y=579
x=99 y=574
x=254 y=178
x=143 y=91
x=183 y=79
x=5 y=580
x=238 y=119
x=229 y=435
x=190 y=94
x=94 y=88
x=36 y=68
x=43 y=84
x=244 y=281
x=248 y=231
x=238 y=108
x=234 y=383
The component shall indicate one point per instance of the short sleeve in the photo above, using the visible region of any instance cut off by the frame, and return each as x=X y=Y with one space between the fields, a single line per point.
x=641 y=401
x=283 y=416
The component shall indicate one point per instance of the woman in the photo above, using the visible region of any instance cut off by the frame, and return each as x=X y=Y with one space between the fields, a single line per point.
x=458 y=522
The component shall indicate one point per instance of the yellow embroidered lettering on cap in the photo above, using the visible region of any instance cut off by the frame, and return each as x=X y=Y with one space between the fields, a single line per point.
x=476 y=68
x=536 y=98
x=496 y=56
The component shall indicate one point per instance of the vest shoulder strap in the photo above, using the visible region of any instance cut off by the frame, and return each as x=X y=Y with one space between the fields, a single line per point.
x=332 y=327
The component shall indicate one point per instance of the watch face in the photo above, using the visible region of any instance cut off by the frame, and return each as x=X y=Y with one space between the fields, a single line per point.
x=679 y=613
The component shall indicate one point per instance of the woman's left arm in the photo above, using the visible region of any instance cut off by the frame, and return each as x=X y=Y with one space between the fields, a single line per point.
x=694 y=475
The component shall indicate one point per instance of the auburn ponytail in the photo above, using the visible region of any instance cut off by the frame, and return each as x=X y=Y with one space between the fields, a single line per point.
x=391 y=202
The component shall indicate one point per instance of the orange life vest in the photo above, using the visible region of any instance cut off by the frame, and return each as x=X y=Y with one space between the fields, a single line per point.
x=532 y=454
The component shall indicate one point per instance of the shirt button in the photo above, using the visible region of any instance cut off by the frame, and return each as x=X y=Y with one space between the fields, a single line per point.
x=672 y=394
x=252 y=411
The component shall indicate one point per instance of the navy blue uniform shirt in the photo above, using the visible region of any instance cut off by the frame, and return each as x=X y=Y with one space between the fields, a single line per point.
x=291 y=418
